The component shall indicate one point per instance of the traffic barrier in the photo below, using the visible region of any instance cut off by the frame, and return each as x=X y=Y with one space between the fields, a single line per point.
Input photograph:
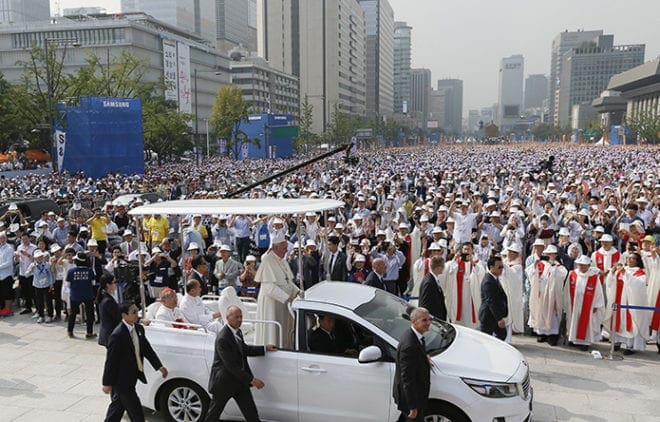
x=616 y=306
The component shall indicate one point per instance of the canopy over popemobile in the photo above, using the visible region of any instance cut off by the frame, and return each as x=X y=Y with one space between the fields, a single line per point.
x=267 y=206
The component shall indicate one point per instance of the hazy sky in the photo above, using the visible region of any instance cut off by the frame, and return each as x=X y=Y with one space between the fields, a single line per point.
x=466 y=39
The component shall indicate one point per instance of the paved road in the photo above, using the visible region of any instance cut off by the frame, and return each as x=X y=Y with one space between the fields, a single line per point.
x=44 y=375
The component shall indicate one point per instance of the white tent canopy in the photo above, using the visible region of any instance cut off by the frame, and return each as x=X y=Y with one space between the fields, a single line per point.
x=268 y=206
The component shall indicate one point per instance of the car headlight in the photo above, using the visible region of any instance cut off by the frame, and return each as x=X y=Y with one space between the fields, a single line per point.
x=492 y=389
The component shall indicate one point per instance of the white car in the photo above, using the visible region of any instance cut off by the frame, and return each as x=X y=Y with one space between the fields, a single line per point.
x=475 y=377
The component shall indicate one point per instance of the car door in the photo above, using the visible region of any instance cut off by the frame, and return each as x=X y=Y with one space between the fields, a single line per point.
x=339 y=388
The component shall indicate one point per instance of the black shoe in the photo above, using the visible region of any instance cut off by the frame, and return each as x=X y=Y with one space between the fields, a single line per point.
x=553 y=340
x=584 y=348
x=617 y=347
x=25 y=311
x=57 y=318
x=658 y=344
x=90 y=335
x=71 y=334
x=628 y=352
x=541 y=339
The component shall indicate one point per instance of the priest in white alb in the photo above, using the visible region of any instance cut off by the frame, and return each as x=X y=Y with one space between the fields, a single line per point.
x=512 y=283
x=584 y=304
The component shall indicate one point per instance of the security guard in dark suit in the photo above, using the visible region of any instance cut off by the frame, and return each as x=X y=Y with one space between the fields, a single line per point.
x=494 y=307
x=127 y=347
x=231 y=376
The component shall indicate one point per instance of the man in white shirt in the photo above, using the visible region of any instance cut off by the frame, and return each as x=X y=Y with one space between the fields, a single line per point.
x=194 y=310
x=168 y=310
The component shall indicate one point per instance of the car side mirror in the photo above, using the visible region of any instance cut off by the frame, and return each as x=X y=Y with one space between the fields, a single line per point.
x=370 y=354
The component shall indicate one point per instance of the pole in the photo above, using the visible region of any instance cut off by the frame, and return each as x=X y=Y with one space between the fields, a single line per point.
x=196 y=118
x=49 y=100
x=208 y=149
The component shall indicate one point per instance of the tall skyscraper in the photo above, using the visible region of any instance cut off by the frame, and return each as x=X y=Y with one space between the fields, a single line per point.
x=536 y=91
x=587 y=69
x=420 y=94
x=402 y=60
x=562 y=43
x=17 y=11
x=474 y=116
x=332 y=58
x=231 y=19
x=510 y=90
x=452 y=90
x=379 y=23
x=195 y=16
x=277 y=22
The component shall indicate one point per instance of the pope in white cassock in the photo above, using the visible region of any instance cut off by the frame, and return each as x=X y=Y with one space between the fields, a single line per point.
x=627 y=286
x=276 y=291
x=546 y=280
x=585 y=303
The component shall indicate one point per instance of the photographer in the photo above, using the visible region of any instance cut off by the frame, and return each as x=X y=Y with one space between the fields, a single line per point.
x=394 y=260
x=161 y=269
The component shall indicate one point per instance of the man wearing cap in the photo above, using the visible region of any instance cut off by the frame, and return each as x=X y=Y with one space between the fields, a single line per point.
x=80 y=281
x=512 y=282
x=276 y=290
x=241 y=225
x=222 y=235
x=606 y=257
x=156 y=228
x=60 y=231
x=227 y=269
x=25 y=257
x=465 y=221
x=358 y=272
x=168 y=310
x=586 y=302
x=546 y=280
x=98 y=222
x=129 y=244
x=161 y=271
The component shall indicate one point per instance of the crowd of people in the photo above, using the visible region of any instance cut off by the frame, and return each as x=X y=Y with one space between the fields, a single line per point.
x=576 y=228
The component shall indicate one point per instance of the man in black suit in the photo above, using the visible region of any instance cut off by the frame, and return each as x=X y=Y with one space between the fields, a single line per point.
x=375 y=277
x=431 y=296
x=494 y=308
x=412 y=377
x=127 y=347
x=322 y=339
x=231 y=376
x=335 y=261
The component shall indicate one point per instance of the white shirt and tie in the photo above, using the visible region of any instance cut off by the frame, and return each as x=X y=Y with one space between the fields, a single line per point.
x=136 y=344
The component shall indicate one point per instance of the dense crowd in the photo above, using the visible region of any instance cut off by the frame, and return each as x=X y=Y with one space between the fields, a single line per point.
x=561 y=216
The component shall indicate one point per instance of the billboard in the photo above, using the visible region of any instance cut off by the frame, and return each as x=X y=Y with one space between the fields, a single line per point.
x=170 y=78
x=184 y=85
x=100 y=135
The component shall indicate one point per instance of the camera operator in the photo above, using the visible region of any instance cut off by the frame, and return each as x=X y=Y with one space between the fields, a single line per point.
x=394 y=260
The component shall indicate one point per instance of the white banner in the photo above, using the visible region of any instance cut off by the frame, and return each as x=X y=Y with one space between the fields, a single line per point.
x=170 y=70
x=60 y=145
x=183 y=60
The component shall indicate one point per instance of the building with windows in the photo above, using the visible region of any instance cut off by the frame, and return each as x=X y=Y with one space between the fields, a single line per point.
x=587 y=69
x=564 y=42
x=17 y=11
x=402 y=61
x=379 y=24
x=510 y=91
x=421 y=95
x=195 y=16
x=332 y=59
x=277 y=33
x=536 y=91
x=231 y=19
x=452 y=91
x=267 y=90
x=190 y=68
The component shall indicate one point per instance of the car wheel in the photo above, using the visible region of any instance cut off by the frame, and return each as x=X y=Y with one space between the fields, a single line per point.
x=183 y=401
x=439 y=411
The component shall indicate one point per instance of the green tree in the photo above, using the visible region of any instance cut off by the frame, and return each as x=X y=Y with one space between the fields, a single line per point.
x=13 y=127
x=645 y=127
x=166 y=130
x=229 y=111
x=342 y=127
x=305 y=135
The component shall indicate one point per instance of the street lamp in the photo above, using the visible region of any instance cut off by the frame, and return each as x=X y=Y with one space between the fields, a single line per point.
x=50 y=94
x=195 y=72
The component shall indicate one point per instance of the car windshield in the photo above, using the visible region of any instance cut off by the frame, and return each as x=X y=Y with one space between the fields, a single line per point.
x=392 y=315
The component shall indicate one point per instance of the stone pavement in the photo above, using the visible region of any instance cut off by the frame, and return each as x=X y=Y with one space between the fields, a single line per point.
x=44 y=375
